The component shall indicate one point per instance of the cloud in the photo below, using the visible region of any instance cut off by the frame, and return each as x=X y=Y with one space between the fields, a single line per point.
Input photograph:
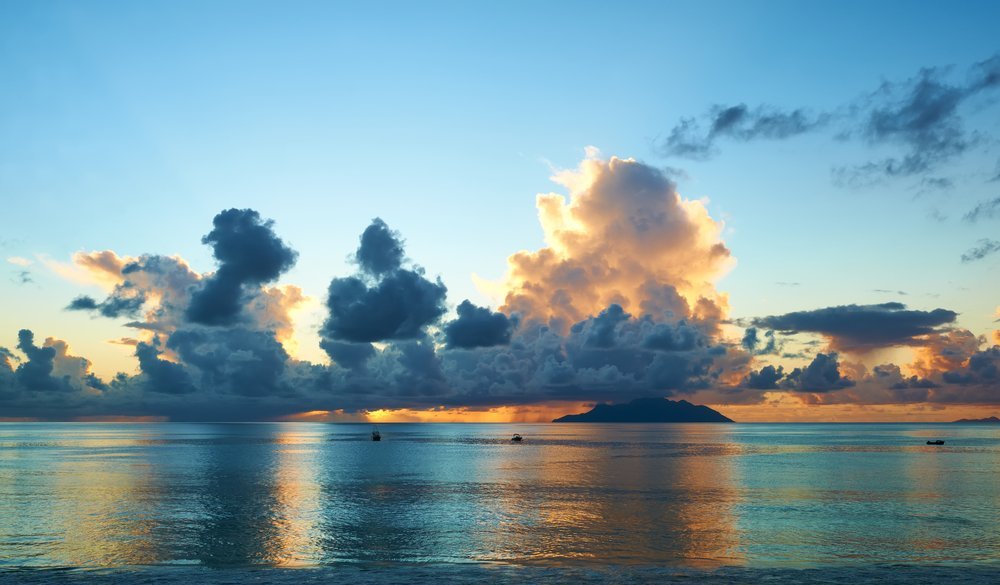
x=624 y=236
x=346 y=354
x=44 y=370
x=249 y=253
x=986 y=210
x=125 y=300
x=891 y=375
x=35 y=374
x=752 y=342
x=863 y=327
x=161 y=375
x=385 y=302
x=920 y=116
x=619 y=304
x=821 y=375
x=985 y=248
x=690 y=139
x=381 y=249
x=764 y=379
x=983 y=367
x=478 y=327
x=236 y=361
x=19 y=261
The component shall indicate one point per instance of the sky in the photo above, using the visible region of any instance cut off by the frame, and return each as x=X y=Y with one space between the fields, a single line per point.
x=508 y=211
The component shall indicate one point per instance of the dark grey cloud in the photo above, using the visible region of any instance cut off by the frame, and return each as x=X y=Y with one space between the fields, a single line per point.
x=236 y=361
x=23 y=277
x=766 y=378
x=83 y=303
x=983 y=368
x=921 y=116
x=420 y=373
x=35 y=373
x=673 y=337
x=387 y=303
x=249 y=253
x=860 y=327
x=753 y=343
x=478 y=327
x=695 y=139
x=986 y=210
x=601 y=330
x=346 y=354
x=984 y=248
x=821 y=375
x=125 y=301
x=381 y=249
x=160 y=375
x=399 y=306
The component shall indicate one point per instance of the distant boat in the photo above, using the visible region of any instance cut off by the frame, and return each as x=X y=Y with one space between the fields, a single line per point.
x=938 y=442
x=376 y=436
x=516 y=438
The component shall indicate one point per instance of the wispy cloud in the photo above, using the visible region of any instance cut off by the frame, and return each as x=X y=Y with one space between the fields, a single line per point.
x=985 y=248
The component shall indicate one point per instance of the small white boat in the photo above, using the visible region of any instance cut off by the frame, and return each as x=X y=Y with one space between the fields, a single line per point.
x=516 y=438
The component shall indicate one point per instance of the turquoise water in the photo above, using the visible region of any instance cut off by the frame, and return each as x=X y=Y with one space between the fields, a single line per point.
x=571 y=495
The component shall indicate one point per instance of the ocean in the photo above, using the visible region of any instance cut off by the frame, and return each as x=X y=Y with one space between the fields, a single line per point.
x=637 y=502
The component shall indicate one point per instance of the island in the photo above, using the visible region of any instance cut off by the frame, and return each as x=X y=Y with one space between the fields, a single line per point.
x=990 y=419
x=648 y=410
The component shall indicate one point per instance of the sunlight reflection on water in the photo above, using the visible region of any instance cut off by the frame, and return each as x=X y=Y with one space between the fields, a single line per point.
x=300 y=494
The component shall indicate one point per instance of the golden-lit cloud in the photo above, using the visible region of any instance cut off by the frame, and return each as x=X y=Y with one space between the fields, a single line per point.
x=943 y=352
x=102 y=269
x=623 y=235
x=19 y=261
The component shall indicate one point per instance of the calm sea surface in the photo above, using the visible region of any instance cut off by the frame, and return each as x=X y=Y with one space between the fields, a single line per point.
x=570 y=495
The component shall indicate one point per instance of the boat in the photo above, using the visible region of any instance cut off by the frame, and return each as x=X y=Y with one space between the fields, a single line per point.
x=938 y=442
x=376 y=436
x=516 y=438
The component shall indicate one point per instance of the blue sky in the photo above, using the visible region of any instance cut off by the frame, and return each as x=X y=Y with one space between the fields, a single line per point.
x=127 y=126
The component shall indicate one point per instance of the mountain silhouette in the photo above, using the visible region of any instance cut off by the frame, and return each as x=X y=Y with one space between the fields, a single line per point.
x=991 y=419
x=648 y=410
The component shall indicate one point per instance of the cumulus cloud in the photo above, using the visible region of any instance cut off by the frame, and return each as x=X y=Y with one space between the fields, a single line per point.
x=821 y=375
x=381 y=249
x=863 y=327
x=44 y=369
x=35 y=373
x=160 y=375
x=478 y=327
x=624 y=236
x=620 y=303
x=249 y=253
x=766 y=378
x=384 y=301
